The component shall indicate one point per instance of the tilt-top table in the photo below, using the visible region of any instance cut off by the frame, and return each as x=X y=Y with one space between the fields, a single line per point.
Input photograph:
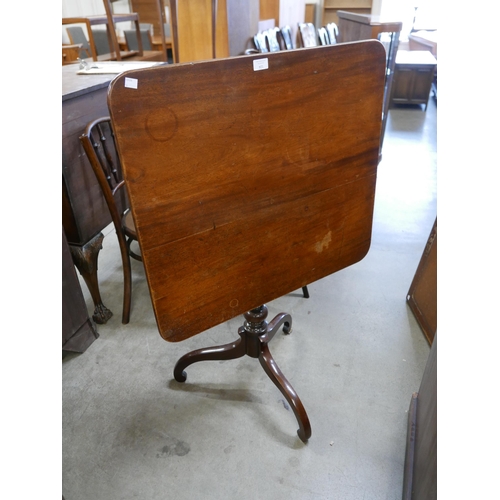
x=249 y=178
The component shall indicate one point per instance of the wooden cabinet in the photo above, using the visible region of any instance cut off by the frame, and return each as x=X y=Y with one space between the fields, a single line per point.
x=413 y=76
x=422 y=295
x=330 y=8
x=420 y=471
x=355 y=26
x=78 y=331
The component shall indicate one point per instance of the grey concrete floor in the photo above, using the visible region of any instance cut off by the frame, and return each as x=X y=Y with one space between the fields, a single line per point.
x=355 y=356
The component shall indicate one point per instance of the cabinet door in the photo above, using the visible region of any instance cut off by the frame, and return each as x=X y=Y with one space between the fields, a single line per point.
x=402 y=85
x=422 y=84
x=422 y=295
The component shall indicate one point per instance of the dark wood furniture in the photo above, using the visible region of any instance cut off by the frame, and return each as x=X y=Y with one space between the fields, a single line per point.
x=413 y=77
x=423 y=40
x=422 y=295
x=99 y=145
x=84 y=210
x=332 y=7
x=420 y=471
x=356 y=26
x=250 y=178
x=78 y=330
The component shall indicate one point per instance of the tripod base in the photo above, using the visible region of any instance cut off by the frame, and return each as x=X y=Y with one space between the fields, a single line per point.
x=255 y=335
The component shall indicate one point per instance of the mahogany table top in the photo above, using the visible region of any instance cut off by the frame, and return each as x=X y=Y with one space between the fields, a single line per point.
x=249 y=177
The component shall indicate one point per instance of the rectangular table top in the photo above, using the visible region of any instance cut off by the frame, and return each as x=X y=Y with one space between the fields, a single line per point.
x=249 y=177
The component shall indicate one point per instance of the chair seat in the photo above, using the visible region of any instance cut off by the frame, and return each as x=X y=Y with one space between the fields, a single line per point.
x=129 y=225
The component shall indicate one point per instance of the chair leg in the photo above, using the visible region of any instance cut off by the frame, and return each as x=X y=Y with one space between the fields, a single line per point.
x=127 y=290
x=127 y=276
x=305 y=291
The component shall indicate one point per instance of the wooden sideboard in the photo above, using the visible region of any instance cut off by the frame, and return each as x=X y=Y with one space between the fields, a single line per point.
x=84 y=210
x=331 y=7
x=413 y=76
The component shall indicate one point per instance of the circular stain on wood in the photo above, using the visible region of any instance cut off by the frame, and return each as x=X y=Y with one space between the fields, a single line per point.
x=162 y=127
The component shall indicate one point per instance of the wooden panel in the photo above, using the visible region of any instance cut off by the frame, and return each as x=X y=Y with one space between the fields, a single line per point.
x=78 y=331
x=192 y=30
x=310 y=15
x=222 y=39
x=420 y=472
x=246 y=185
x=402 y=85
x=148 y=12
x=270 y=9
x=84 y=199
x=425 y=458
x=330 y=8
x=422 y=295
x=349 y=31
x=422 y=84
x=348 y=4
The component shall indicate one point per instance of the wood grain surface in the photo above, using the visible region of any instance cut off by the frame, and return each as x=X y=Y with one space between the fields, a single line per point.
x=246 y=184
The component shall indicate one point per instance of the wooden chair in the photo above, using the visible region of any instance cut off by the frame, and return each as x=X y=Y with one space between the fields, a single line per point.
x=118 y=18
x=99 y=144
x=101 y=41
x=153 y=13
x=131 y=39
x=333 y=32
x=308 y=35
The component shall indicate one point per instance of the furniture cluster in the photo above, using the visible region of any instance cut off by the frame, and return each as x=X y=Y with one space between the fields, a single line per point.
x=236 y=240
x=81 y=190
x=87 y=94
x=106 y=45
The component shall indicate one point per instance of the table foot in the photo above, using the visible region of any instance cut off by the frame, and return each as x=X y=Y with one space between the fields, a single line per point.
x=255 y=335
x=223 y=352
x=85 y=260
